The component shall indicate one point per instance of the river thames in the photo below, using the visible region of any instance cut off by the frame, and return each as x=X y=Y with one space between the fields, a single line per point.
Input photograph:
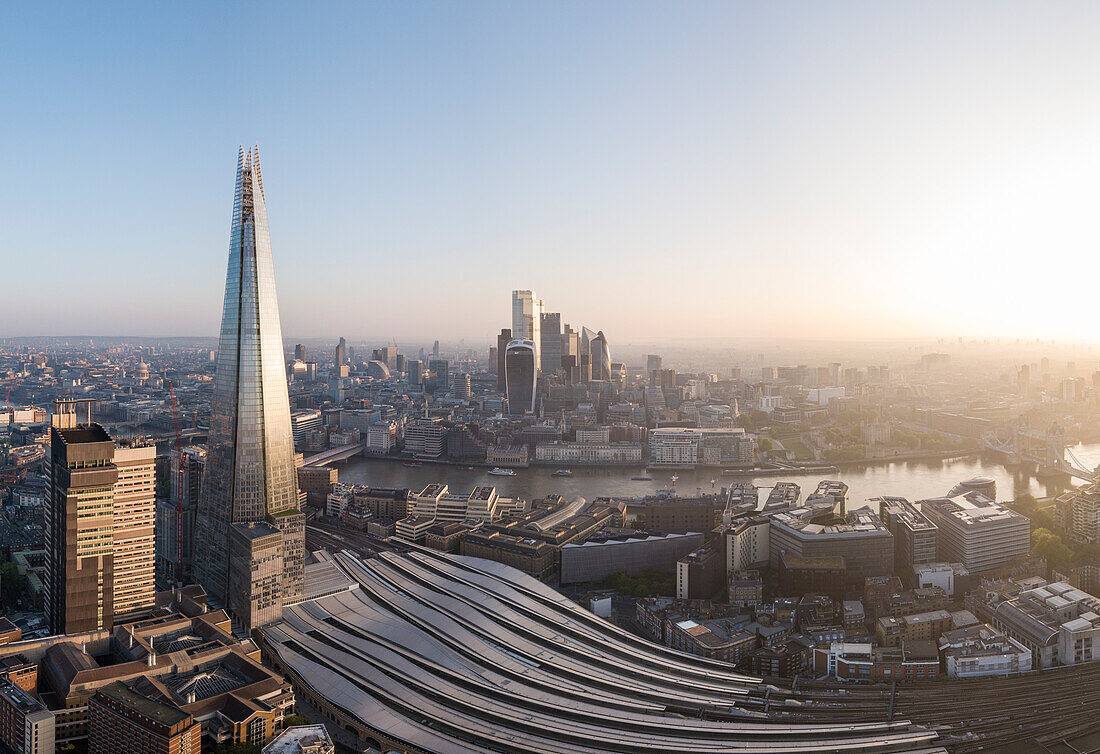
x=915 y=480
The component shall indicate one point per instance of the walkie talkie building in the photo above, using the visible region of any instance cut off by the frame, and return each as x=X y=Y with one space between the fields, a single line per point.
x=521 y=375
x=250 y=532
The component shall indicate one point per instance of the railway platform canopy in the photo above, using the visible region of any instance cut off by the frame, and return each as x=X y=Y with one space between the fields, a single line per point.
x=441 y=653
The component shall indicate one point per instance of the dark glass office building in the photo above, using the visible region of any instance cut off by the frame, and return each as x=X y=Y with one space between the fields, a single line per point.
x=521 y=376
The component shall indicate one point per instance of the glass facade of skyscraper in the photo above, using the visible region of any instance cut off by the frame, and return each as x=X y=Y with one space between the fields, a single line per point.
x=250 y=474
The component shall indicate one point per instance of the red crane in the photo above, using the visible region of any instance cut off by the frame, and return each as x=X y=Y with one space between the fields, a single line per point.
x=180 y=470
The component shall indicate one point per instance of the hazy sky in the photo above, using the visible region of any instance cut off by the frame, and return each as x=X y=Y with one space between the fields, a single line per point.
x=812 y=169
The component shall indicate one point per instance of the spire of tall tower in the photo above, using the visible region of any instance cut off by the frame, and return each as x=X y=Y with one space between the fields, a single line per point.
x=249 y=500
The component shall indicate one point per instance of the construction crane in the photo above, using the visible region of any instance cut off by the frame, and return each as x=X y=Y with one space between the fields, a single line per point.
x=180 y=469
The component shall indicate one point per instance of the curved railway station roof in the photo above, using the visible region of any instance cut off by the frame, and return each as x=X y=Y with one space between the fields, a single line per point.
x=450 y=654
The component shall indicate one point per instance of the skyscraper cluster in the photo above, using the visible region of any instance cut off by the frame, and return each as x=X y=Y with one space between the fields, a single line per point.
x=539 y=345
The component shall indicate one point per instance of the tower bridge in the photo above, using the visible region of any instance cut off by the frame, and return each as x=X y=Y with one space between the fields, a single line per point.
x=1021 y=444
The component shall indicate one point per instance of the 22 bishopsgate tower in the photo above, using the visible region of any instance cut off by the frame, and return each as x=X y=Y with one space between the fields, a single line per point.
x=249 y=544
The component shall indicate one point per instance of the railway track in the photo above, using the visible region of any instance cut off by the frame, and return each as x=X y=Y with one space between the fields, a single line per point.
x=971 y=715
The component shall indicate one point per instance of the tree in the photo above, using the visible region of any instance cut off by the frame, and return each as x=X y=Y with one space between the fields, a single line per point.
x=1047 y=544
x=650 y=583
x=241 y=748
x=1025 y=502
x=765 y=444
x=12 y=583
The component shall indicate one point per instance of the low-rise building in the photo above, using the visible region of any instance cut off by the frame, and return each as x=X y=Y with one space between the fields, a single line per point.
x=532 y=556
x=513 y=456
x=194 y=663
x=385 y=503
x=981 y=650
x=414 y=528
x=445 y=537
x=632 y=552
x=317 y=482
x=26 y=725
x=719 y=639
x=844 y=661
x=746 y=589
x=783 y=495
x=119 y=715
x=588 y=453
x=785 y=660
x=1060 y=625
x=302 y=739
x=892 y=632
x=9 y=632
x=953 y=578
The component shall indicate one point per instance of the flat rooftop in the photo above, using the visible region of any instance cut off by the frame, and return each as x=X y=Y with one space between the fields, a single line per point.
x=165 y=714
x=84 y=433
x=972 y=510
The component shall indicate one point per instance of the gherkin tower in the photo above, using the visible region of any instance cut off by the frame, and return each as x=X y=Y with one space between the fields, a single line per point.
x=249 y=542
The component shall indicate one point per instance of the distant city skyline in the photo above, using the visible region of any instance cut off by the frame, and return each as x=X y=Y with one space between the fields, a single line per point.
x=835 y=170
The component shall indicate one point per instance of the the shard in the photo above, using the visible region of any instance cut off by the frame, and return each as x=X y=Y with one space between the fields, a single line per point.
x=249 y=549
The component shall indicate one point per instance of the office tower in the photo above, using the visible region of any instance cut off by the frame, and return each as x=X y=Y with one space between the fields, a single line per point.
x=503 y=339
x=601 y=357
x=250 y=489
x=341 y=350
x=527 y=320
x=300 y=352
x=1023 y=380
x=522 y=376
x=440 y=375
x=389 y=357
x=586 y=338
x=571 y=369
x=550 y=345
x=402 y=362
x=570 y=347
x=435 y=350
x=412 y=371
x=462 y=386
x=652 y=363
x=134 y=529
x=99 y=528
x=976 y=531
x=1069 y=389
x=493 y=360
x=177 y=514
x=915 y=536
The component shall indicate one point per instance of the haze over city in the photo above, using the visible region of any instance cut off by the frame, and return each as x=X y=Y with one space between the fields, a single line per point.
x=728 y=170
x=556 y=377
